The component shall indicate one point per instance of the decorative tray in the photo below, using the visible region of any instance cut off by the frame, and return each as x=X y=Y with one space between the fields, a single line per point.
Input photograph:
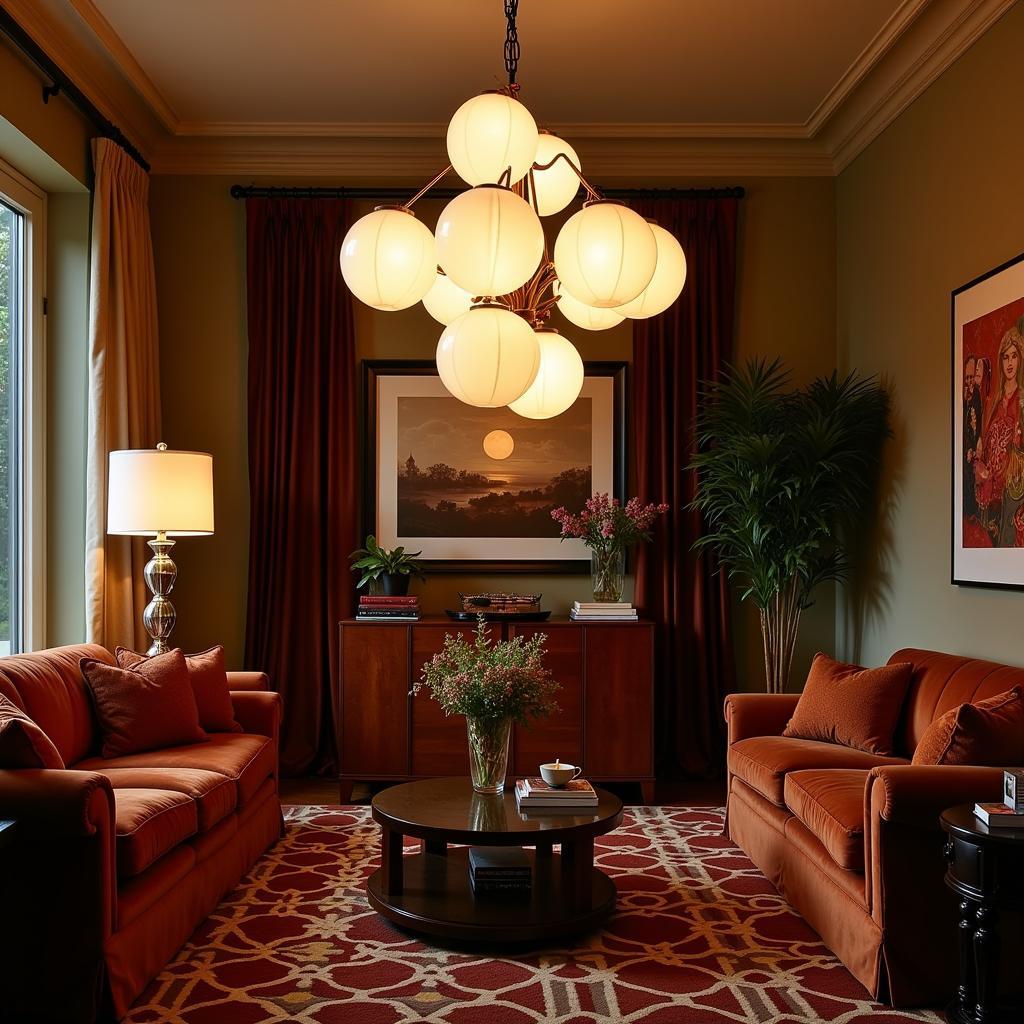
x=463 y=616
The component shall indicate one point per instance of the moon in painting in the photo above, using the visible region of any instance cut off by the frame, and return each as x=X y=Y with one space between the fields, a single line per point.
x=498 y=444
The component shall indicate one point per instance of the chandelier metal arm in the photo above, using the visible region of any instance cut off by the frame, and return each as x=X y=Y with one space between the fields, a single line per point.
x=426 y=188
x=592 y=192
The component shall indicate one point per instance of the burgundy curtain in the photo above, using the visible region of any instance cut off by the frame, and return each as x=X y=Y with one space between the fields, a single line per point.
x=303 y=463
x=688 y=600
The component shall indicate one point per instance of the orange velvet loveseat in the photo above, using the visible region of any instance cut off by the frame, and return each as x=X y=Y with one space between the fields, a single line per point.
x=115 y=862
x=852 y=840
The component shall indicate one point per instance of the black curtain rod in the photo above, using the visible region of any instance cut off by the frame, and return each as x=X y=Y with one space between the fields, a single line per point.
x=62 y=85
x=399 y=194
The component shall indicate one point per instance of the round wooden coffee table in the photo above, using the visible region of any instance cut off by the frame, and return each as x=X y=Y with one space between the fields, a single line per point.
x=430 y=891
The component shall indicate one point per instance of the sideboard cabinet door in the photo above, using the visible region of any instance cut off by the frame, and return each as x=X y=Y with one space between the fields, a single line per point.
x=439 y=744
x=374 y=711
x=619 y=675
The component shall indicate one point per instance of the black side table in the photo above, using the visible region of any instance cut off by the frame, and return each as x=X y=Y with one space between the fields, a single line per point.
x=986 y=869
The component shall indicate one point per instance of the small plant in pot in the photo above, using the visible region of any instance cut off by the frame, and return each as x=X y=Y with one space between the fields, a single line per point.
x=386 y=572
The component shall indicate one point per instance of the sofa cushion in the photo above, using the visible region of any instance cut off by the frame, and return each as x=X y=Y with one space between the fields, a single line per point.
x=990 y=732
x=148 y=823
x=847 y=704
x=145 y=708
x=215 y=795
x=247 y=759
x=22 y=743
x=209 y=678
x=830 y=803
x=763 y=762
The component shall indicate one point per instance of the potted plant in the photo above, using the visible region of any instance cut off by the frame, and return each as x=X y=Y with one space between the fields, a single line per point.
x=387 y=572
x=493 y=685
x=783 y=477
x=608 y=528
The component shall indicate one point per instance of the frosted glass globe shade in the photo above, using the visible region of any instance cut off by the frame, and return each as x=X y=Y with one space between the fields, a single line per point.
x=590 y=318
x=498 y=444
x=488 y=357
x=387 y=259
x=489 y=241
x=446 y=301
x=667 y=283
x=557 y=186
x=489 y=134
x=558 y=382
x=605 y=255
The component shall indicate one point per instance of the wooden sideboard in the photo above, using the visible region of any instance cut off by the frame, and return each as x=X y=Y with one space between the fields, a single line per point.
x=606 y=671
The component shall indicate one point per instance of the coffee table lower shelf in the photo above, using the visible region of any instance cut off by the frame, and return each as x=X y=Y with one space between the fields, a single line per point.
x=437 y=899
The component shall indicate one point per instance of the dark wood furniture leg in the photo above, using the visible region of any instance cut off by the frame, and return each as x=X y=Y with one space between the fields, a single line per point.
x=577 y=872
x=345 y=791
x=647 y=792
x=391 y=861
x=986 y=964
x=436 y=846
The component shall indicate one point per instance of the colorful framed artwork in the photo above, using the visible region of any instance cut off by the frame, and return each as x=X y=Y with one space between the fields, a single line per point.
x=474 y=488
x=987 y=422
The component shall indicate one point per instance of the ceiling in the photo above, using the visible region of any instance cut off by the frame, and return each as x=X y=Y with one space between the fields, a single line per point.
x=363 y=89
x=743 y=62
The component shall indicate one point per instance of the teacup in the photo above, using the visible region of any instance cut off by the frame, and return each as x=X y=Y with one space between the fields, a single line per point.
x=558 y=773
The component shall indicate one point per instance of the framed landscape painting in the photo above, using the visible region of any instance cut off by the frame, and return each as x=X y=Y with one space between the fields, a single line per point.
x=988 y=442
x=474 y=488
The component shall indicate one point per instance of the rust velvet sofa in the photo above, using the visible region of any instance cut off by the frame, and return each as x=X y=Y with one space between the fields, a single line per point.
x=852 y=840
x=117 y=861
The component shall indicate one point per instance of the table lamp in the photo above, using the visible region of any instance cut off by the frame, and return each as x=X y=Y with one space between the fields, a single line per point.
x=160 y=494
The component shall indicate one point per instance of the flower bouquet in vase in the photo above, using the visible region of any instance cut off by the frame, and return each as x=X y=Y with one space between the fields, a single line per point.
x=493 y=684
x=608 y=528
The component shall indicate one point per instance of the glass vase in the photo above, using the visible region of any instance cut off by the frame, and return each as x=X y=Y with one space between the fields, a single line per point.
x=488 y=752
x=608 y=574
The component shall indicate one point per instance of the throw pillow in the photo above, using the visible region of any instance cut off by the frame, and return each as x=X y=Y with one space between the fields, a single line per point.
x=144 y=708
x=850 y=705
x=209 y=678
x=990 y=733
x=22 y=743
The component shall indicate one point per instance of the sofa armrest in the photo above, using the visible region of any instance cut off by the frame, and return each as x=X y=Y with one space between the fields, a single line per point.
x=758 y=714
x=257 y=712
x=248 y=681
x=916 y=794
x=57 y=803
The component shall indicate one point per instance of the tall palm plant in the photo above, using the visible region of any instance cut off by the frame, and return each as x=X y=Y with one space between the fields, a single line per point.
x=783 y=476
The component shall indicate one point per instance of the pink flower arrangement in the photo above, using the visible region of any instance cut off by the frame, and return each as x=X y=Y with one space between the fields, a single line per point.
x=605 y=524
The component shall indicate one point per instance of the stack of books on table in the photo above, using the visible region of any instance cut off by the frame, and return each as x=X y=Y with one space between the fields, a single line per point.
x=999 y=816
x=388 y=609
x=574 y=797
x=499 y=870
x=603 y=611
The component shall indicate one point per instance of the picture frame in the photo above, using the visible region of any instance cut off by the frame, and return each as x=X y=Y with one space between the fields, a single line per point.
x=405 y=403
x=987 y=429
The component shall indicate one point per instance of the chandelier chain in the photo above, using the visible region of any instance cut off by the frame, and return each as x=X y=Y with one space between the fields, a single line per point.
x=511 y=40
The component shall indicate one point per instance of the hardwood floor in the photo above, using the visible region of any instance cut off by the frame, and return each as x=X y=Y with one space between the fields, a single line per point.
x=686 y=794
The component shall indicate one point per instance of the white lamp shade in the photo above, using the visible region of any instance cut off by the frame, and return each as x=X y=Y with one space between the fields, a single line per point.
x=557 y=186
x=387 y=259
x=446 y=301
x=488 y=357
x=558 y=382
x=489 y=241
x=590 y=318
x=151 y=490
x=489 y=134
x=605 y=254
x=667 y=283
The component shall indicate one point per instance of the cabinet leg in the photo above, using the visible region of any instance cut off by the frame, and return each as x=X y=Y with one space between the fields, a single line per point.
x=345 y=791
x=436 y=846
x=966 y=989
x=986 y=964
x=391 y=862
x=577 y=872
x=647 y=791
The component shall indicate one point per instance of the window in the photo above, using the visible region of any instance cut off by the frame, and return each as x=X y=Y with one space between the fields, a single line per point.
x=22 y=515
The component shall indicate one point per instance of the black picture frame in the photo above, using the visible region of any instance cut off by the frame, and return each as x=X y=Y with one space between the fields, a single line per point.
x=374 y=369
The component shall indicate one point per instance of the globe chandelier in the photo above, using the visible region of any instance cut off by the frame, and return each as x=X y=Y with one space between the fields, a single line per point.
x=486 y=273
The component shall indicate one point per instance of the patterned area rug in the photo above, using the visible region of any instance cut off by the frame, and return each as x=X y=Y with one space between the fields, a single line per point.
x=698 y=936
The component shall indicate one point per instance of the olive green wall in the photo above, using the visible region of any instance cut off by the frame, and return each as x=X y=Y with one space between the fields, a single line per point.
x=932 y=203
x=785 y=303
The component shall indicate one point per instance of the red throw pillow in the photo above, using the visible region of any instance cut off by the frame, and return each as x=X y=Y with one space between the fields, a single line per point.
x=209 y=680
x=850 y=705
x=22 y=743
x=989 y=733
x=144 y=708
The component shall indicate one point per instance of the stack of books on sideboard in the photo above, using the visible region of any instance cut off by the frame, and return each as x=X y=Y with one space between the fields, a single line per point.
x=381 y=608
x=602 y=611
x=574 y=797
